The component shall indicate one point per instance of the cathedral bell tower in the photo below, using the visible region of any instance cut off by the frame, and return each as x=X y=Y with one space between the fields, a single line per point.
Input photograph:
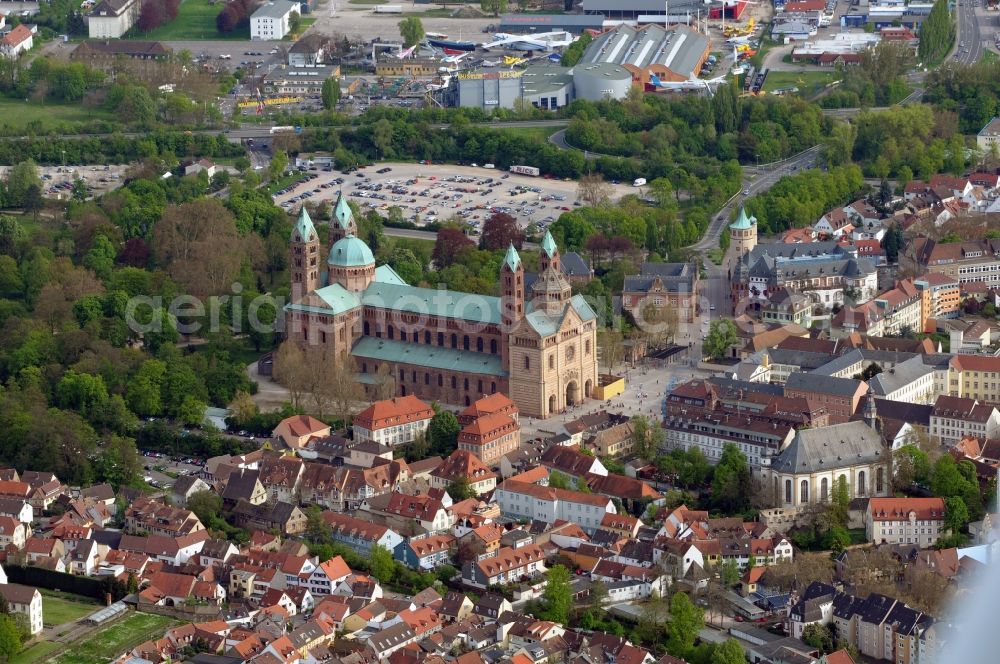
x=512 y=299
x=342 y=221
x=549 y=255
x=304 y=257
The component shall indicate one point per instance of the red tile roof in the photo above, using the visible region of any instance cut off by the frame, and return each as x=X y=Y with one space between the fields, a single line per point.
x=898 y=509
x=17 y=36
x=392 y=412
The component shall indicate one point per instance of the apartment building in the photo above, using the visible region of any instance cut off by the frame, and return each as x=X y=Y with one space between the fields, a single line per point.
x=111 y=19
x=975 y=377
x=839 y=396
x=966 y=262
x=917 y=521
x=490 y=437
x=270 y=21
x=548 y=504
x=955 y=418
x=945 y=295
x=507 y=566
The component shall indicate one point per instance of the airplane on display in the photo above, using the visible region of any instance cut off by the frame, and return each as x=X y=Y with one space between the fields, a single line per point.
x=693 y=83
x=542 y=41
x=513 y=60
x=402 y=55
x=741 y=40
x=454 y=59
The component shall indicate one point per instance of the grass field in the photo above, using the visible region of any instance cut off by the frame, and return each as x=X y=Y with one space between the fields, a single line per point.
x=64 y=608
x=808 y=82
x=35 y=653
x=18 y=113
x=541 y=132
x=195 y=20
x=113 y=641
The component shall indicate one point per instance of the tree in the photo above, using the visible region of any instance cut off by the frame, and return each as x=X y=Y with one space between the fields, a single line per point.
x=658 y=322
x=411 y=29
x=206 y=505
x=956 y=515
x=686 y=620
x=449 y=244
x=731 y=480
x=381 y=563
x=19 y=180
x=10 y=637
x=936 y=33
x=647 y=437
x=294 y=23
x=729 y=652
x=593 y=190
x=459 y=489
x=818 y=636
x=495 y=7
x=278 y=165
x=721 y=336
x=442 y=433
x=33 y=201
x=559 y=480
x=330 y=93
x=557 y=598
x=199 y=245
x=729 y=573
x=501 y=230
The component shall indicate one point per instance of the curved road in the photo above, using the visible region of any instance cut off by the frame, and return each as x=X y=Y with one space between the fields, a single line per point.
x=968 y=33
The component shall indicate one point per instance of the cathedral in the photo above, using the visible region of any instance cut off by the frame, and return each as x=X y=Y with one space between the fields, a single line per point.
x=538 y=346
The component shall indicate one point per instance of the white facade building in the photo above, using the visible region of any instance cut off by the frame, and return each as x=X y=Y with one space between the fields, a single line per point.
x=270 y=22
x=531 y=501
x=111 y=19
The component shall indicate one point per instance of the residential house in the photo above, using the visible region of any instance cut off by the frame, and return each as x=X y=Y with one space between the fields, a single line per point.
x=508 y=566
x=463 y=465
x=285 y=518
x=426 y=553
x=19 y=40
x=85 y=558
x=243 y=485
x=148 y=515
x=13 y=533
x=359 y=534
x=534 y=502
x=281 y=477
x=17 y=509
x=989 y=135
x=185 y=487
x=24 y=600
x=295 y=431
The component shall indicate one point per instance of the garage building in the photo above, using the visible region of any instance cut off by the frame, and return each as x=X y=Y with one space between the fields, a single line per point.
x=673 y=54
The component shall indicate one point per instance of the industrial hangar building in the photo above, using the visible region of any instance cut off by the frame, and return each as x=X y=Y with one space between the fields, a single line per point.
x=545 y=86
x=673 y=54
x=681 y=11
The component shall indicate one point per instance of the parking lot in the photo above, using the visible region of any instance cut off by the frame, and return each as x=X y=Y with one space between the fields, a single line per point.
x=57 y=181
x=429 y=192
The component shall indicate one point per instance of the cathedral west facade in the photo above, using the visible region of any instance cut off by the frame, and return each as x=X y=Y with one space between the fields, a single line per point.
x=539 y=347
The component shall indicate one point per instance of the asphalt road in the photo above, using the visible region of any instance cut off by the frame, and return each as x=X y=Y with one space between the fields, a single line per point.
x=968 y=33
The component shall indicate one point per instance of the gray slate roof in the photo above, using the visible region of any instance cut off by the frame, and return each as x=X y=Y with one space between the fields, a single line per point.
x=826 y=448
x=843 y=387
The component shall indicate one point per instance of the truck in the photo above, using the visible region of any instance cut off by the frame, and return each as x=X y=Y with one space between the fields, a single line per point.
x=283 y=129
x=525 y=170
x=388 y=9
x=639 y=182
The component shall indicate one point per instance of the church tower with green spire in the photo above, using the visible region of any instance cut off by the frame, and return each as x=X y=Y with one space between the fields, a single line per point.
x=342 y=221
x=304 y=257
x=512 y=296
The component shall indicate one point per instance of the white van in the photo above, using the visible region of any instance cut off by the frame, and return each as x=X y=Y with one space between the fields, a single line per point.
x=639 y=182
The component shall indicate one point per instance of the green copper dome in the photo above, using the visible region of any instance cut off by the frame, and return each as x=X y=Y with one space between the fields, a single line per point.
x=304 y=230
x=512 y=259
x=549 y=245
x=743 y=223
x=350 y=252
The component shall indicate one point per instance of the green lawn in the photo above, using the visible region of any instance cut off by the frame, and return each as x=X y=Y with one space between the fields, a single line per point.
x=540 y=132
x=808 y=82
x=18 y=113
x=195 y=20
x=113 y=641
x=65 y=608
x=35 y=653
